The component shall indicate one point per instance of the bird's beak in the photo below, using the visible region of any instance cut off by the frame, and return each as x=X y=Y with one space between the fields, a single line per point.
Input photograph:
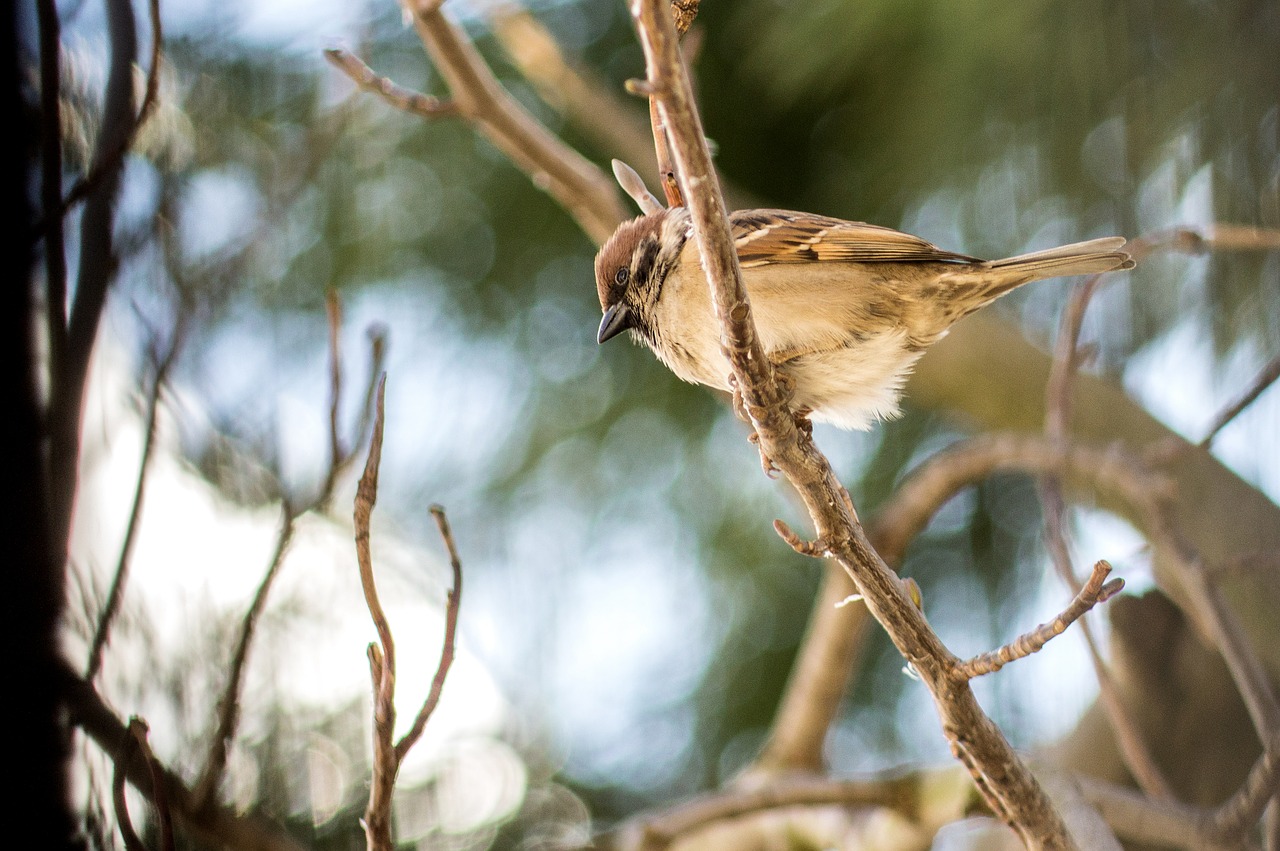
x=616 y=320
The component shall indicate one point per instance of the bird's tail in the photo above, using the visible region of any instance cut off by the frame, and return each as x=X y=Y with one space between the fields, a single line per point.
x=995 y=278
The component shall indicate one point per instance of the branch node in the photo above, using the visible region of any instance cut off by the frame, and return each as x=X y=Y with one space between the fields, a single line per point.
x=814 y=549
x=640 y=87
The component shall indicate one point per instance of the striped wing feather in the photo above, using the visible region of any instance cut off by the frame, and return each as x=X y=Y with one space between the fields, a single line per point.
x=781 y=236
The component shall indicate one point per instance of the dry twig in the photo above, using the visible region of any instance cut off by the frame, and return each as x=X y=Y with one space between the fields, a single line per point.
x=427 y=106
x=135 y=744
x=387 y=757
x=1066 y=360
x=215 y=825
x=1093 y=592
x=452 y=605
x=382 y=656
x=290 y=510
x=115 y=596
x=553 y=166
x=1264 y=379
x=658 y=830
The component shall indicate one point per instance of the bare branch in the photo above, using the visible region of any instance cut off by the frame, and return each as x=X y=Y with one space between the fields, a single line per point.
x=113 y=158
x=562 y=172
x=1066 y=360
x=1239 y=813
x=229 y=704
x=398 y=96
x=657 y=830
x=339 y=459
x=215 y=826
x=382 y=656
x=1094 y=592
x=163 y=363
x=1264 y=379
x=1007 y=784
x=1143 y=819
x=128 y=748
x=97 y=269
x=450 y=634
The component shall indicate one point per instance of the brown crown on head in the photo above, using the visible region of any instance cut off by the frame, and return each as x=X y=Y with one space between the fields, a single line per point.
x=618 y=252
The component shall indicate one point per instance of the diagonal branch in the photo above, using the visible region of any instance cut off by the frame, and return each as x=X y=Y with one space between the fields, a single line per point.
x=450 y=636
x=228 y=715
x=577 y=185
x=163 y=363
x=1264 y=379
x=214 y=826
x=1010 y=789
x=393 y=93
x=1066 y=361
x=1093 y=592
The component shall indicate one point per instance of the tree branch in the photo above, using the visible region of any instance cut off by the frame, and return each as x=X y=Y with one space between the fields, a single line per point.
x=382 y=656
x=1093 y=592
x=215 y=825
x=398 y=96
x=291 y=510
x=1008 y=785
x=162 y=364
x=577 y=185
x=450 y=635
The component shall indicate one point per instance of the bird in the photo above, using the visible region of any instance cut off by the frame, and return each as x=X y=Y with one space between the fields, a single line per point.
x=843 y=309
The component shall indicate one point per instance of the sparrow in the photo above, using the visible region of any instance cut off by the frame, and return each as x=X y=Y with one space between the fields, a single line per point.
x=843 y=309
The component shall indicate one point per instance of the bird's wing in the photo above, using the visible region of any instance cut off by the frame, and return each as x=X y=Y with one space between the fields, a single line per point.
x=763 y=237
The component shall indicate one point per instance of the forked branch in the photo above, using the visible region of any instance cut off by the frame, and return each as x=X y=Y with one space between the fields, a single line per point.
x=387 y=756
x=1010 y=789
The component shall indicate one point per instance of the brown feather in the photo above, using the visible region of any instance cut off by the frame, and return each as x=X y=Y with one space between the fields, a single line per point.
x=780 y=236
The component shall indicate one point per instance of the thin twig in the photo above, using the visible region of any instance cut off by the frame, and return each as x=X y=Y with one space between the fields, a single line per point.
x=113 y=158
x=1265 y=378
x=657 y=830
x=118 y=582
x=1145 y=497
x=576 y=184
x=1239 y=813
x=450 y=634
x=1058 y=394
x=229 y=703
x=128 y=748
x=382 y=656
x=214 y=826
x=1094 y=592
x=427 y=106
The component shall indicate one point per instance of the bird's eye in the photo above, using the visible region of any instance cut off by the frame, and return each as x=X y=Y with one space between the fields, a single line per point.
x=620 y=277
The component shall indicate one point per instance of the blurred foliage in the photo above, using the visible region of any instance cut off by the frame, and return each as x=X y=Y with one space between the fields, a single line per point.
x=988 y=127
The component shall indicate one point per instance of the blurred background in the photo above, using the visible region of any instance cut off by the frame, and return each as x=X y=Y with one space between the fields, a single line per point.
x=629 y=617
